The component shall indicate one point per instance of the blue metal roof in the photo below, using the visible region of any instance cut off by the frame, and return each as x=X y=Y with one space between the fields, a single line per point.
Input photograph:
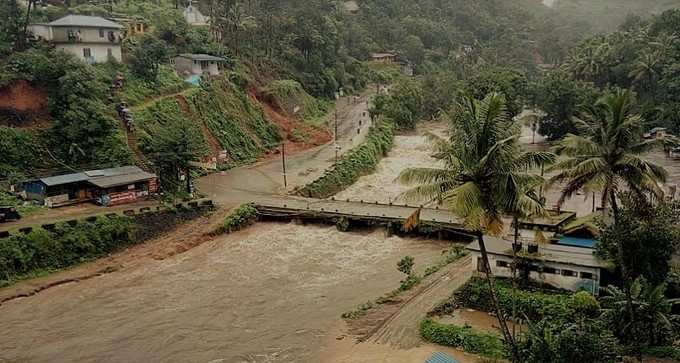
x=440 y=357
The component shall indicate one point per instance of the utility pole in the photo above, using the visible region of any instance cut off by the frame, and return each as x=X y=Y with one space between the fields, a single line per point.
x=283 y=161
x=336 y=135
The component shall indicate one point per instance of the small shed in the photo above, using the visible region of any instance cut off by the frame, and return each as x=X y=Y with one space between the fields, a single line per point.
x=193 y=64
x=107 y=187
x=59 y=190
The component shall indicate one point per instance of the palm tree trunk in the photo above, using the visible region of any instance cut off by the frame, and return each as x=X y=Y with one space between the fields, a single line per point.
x=515 y=223
x=494 y=299
x=622 y=264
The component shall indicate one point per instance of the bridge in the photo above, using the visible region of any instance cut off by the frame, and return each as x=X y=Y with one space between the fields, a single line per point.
x=369 y=213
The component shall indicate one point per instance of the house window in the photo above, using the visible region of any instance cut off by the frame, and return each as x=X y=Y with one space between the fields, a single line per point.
x=549 y=270
x=568 y=273
x=195 y=62
x=502 y=264
x=101 y=33
x=587 y=275
x=87 y=53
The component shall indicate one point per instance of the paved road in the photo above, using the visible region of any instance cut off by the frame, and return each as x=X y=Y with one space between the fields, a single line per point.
x=244 y=184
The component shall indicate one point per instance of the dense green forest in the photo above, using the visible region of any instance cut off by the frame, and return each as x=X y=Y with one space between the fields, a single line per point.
x=324 y=45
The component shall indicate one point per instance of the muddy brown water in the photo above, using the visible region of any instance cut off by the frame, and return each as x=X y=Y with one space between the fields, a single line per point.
x=268 y=294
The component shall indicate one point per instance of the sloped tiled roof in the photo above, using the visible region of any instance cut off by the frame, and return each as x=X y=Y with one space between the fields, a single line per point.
x=85 y=21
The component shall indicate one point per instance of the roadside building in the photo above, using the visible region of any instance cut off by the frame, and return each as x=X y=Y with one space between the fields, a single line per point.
x=198 y=64
x=383 y=58
x=133 y=26
x=560 y=266
x=107 y=187
x=90 y=38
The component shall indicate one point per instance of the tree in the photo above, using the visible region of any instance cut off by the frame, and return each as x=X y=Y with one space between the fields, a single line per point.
x=174 y=147
x=509 y=82
x=148 y=56
x=649 y=233
x=567 y=342
x=404 y=105
x=560 y=98
x=607 y=157
x=483 y=178
x=651 y=323
x=414 y=50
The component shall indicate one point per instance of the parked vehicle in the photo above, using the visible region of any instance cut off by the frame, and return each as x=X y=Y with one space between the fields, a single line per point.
x=9 y=214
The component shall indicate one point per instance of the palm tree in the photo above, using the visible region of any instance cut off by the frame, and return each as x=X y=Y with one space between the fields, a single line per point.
x=607 y=157
x=484 y=175
x=607 y=154
x=653 y=312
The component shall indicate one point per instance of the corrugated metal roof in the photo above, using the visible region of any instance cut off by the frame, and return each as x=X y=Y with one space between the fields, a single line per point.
x=202 y=57
x=85 y=21
x=104 y=178
x=440 y=357
x=120 y=176
x=64 y=179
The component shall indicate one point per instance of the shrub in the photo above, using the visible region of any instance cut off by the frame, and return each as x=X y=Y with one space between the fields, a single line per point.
x=532 y=304
x=405 y=265
x=360 y=161
x=462 y=337
x=240 y=218
x=66 y=245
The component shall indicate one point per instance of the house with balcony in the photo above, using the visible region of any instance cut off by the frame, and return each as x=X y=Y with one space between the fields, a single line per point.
x=90 y=38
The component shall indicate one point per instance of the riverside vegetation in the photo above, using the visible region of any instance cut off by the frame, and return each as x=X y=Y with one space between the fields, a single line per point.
x=360 y=161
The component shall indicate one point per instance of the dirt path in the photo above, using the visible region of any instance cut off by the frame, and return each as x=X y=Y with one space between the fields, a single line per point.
x=396 y=323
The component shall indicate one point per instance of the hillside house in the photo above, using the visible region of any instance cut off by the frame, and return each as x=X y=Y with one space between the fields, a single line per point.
x=197 y=64
x=564 y=267
x=383 y=58
x=90 y=38
x=106 y=187
x=658 y=133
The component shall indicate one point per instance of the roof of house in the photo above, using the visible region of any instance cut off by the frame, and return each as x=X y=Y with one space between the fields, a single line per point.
x=577 y=256
x=114 y=177
x=207 y=57
x=104 y=178
x=85 y=21
x=383 y=55
x=64 y=179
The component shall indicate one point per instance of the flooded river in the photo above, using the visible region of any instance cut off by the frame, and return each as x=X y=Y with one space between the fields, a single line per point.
x=271 y=293
x=408 y=151
x=268 y=294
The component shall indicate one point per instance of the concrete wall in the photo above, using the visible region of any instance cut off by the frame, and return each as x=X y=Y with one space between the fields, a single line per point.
x=41 y=31
x=99 y=52
x=185 y=65
x=500 y=266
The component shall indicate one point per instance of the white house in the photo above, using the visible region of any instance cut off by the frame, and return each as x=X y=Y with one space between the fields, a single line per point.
x=194 y=17
x=194 y=64
x=90 y=38
x=565 y=267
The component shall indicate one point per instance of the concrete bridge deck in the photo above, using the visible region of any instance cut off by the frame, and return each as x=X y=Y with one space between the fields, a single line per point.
x=298 y=207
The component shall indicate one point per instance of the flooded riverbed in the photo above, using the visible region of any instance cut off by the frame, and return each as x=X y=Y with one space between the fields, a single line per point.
x=268 y=294
x=408 y=151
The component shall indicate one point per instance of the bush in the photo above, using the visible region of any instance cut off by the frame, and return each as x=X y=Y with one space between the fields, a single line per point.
x=240 y=218
x=66 y=245
x=532 y=304
x=360 y=161
x=462 y=337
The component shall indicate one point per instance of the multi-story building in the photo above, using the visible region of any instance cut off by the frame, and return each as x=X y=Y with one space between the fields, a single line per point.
x=90 y=38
